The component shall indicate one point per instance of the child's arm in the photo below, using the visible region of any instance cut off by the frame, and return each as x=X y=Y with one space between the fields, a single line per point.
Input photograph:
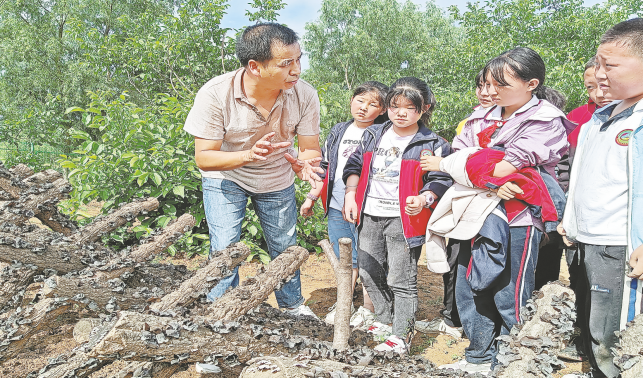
x=306 y=209
x=350 y=211
x=351 y=175
x=636 y=262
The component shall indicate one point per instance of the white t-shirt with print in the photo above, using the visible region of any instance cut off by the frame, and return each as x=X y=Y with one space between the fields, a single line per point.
x=350 y=140
x=602 y=199
x=383 y=196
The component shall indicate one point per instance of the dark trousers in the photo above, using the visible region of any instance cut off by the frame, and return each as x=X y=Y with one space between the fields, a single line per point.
x=549 y=256
x=603 y=269
x=487 y=314
x=450 y=312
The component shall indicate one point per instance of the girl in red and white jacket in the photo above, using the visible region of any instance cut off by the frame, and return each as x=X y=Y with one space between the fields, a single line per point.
x=389 y=197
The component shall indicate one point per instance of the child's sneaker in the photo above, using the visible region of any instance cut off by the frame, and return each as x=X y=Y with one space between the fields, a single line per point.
x=393 y=343
x=330 y=318
x=437 y=326
x=301 y=311
x=362 y=318
x=468 y=367
x=380 y=331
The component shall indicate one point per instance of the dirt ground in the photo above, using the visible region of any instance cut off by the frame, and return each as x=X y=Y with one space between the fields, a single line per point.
x=318 y=285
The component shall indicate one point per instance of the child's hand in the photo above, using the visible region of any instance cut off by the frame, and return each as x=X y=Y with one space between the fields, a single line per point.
x=430 y=163
x=562 y=232
x=350 y=207
x=636 y=262
x=509 y=190
x=307 y=208
x=414 y=205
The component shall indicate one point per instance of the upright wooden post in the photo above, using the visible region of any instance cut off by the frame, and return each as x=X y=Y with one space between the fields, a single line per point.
x=343 y=275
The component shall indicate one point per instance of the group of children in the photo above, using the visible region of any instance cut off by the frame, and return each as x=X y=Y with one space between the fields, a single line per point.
x=489 y=206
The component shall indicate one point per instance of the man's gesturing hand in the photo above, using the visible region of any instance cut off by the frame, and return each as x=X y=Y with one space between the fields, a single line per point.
x=306 y=170
x=263 y=148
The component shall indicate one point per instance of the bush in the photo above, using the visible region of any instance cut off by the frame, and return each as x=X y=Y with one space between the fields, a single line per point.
x=144 y=152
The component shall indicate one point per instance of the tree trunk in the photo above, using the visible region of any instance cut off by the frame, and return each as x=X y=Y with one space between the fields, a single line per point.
x=22 y=323
x=30 y=202
x=629 y=349
x=148 y=369
x=252 y=292
x=344 y=276
x=132 y=291
x=8 y=184
x=548 y=320
x=164 y=239
x=14 y=280
x=78 y=364
x=50 y=217
x=21 y=171
x=287 y=367
x=330 y=254
x=83 y=328
x=205 y=278
x=104 y=224
x=164 y=339
x=46 y=250
x=263 y=331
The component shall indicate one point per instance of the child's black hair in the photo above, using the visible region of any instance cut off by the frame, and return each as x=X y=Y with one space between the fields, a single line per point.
x=480 y=79
x=417 y=92
x=591 y=63
x=555 y=97
x=627 y=33
x=524 y=64
x=379 y=90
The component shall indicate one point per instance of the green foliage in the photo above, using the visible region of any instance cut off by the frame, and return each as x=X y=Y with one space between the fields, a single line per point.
x=141 y=152
x=110 y=82
x=266 y=10
x=355 y=41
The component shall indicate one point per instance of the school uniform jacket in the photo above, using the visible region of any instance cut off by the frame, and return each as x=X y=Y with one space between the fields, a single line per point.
x=330 y=155
x=633 y=294
x=413 y=180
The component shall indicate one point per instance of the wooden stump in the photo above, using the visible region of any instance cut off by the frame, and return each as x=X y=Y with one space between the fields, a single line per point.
x=344 y=277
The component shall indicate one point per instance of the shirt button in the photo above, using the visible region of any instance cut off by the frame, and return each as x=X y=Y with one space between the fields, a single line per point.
x=488 y=194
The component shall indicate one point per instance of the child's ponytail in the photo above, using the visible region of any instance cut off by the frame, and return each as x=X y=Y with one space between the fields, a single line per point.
x=555 y=97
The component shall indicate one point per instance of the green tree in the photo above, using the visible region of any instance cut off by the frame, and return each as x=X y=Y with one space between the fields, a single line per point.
x=354 y=41
x=42 y=61
x=266 y=10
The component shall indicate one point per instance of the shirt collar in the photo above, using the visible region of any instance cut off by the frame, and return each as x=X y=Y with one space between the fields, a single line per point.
x=496 y=113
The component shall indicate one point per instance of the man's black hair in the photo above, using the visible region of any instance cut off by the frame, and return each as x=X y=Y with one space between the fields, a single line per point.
x=627 y=33
x=256 y=41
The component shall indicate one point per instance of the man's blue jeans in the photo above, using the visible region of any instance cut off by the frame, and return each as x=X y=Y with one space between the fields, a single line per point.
x=225 y=208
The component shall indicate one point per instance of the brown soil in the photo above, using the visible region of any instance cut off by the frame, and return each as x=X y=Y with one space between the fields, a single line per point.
x=318 y=285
